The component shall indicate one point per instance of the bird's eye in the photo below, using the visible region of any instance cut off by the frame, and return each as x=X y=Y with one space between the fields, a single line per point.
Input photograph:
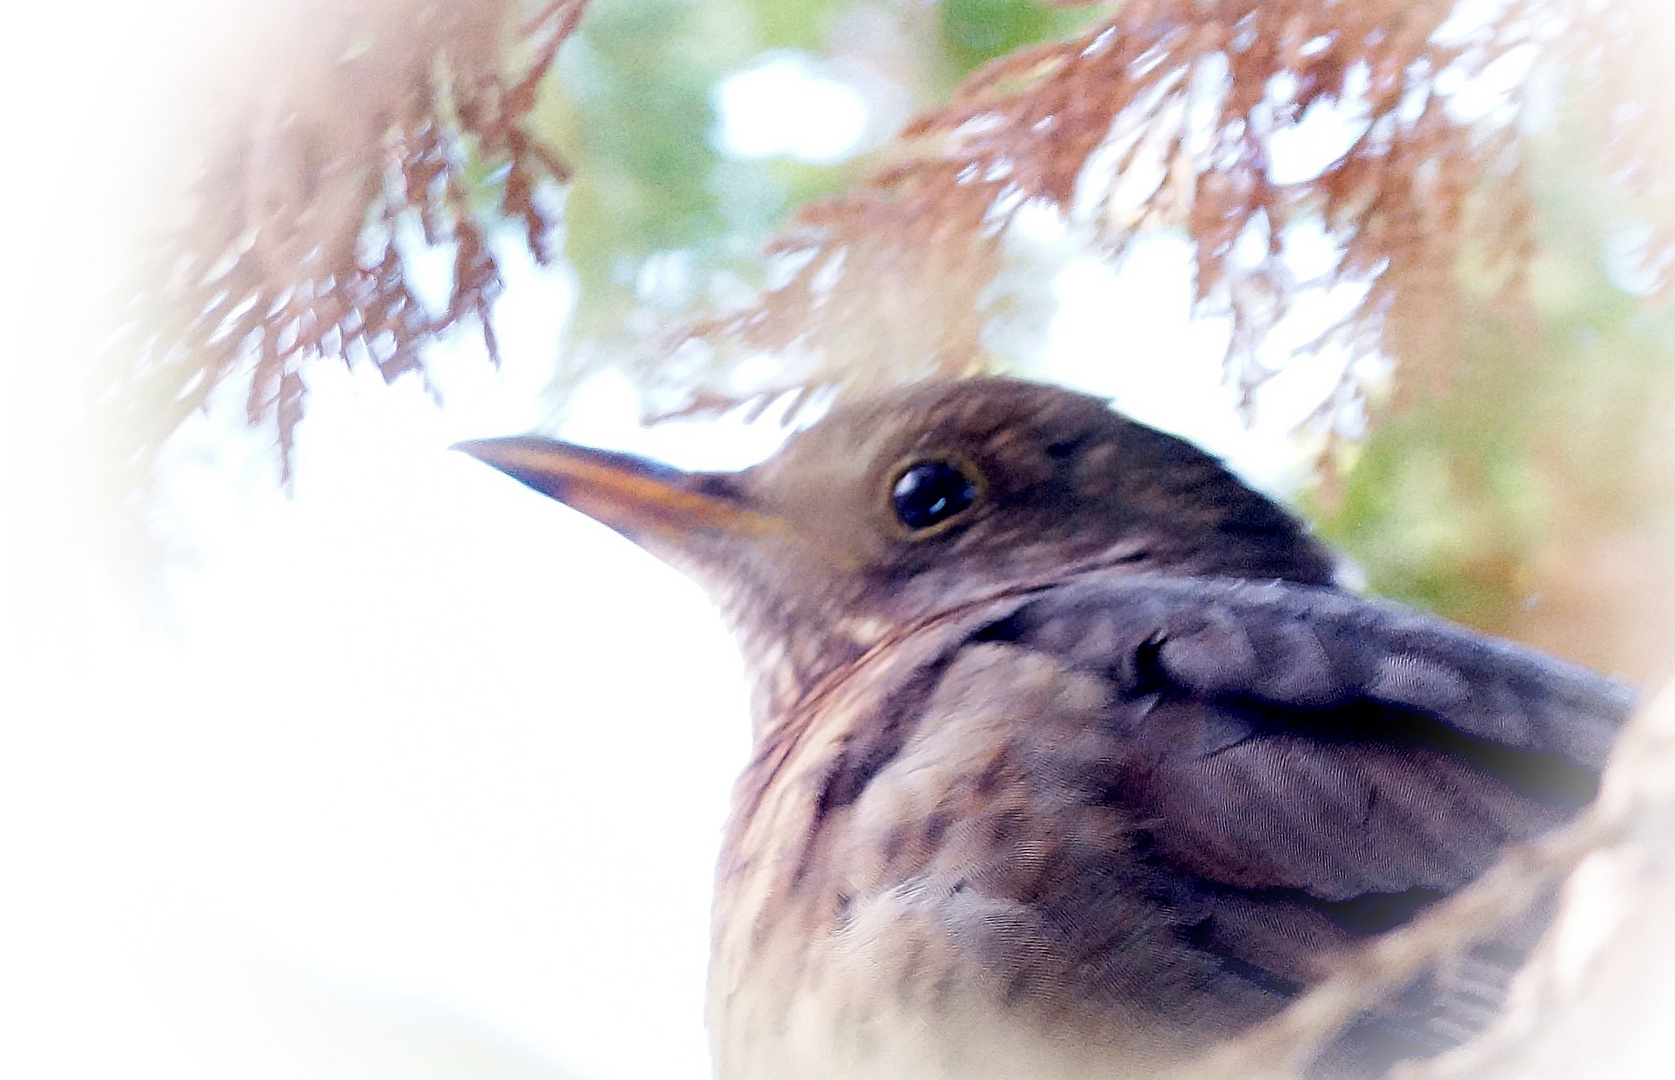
x=928 y=493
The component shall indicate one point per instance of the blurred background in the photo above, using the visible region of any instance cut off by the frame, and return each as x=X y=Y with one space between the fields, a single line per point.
x=329 y=753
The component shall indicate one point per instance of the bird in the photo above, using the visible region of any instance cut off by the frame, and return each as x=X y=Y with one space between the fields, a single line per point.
x=1073 y=756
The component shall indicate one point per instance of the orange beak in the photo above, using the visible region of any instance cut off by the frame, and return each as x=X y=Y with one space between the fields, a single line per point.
x=638 y=498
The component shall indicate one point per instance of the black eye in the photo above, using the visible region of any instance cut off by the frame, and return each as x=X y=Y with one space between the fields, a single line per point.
x=931 y=492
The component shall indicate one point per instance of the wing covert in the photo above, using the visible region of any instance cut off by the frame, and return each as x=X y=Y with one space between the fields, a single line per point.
x=1289 y=737
x=1313 y=649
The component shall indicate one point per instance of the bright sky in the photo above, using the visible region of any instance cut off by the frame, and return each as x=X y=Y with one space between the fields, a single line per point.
x=425 y=774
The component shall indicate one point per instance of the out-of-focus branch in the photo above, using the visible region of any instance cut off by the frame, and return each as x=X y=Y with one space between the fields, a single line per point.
x=1596 y=997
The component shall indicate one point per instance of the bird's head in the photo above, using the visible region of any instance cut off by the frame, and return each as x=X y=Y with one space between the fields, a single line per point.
x=893 y=509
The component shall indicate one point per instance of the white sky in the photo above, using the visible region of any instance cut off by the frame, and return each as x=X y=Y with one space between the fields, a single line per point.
x=427 y=777
x=783 y=105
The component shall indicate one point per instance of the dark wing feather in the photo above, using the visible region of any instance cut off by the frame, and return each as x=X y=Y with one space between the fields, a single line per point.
x=1287 y=736
x=1305 y=648
x=1306 y=767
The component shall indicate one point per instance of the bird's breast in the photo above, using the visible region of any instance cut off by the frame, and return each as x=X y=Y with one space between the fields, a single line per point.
x=884 y=902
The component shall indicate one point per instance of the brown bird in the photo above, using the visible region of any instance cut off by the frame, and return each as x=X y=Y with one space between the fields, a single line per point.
x=1072 y=758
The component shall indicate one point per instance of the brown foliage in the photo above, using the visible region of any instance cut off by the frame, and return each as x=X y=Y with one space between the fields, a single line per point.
x=1166 y=113
x=367 y=113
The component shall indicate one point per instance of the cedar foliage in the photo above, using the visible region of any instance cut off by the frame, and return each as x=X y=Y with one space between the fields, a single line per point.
x=1161 y=112
x=382 y=111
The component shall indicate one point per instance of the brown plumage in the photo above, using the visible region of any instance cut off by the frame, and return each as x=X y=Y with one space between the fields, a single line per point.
x=1070 y=757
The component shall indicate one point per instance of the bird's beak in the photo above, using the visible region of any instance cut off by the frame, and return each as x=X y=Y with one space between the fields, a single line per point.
x=644 y=500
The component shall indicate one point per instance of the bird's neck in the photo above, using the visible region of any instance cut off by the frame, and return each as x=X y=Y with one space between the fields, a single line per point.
x=789 y=660
x=801 y=649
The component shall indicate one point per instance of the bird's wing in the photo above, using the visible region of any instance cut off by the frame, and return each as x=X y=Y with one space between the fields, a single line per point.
x=1292 y=769
x=1189 y=797
x=1297 y=738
